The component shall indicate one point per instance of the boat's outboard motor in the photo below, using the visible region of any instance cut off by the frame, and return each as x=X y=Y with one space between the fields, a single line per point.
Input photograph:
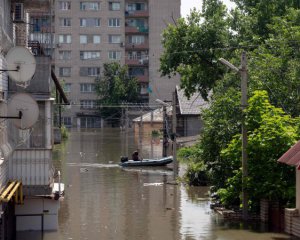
x=124 y=159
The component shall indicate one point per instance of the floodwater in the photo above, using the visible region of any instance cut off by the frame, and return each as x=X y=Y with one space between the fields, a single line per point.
x=104 y=201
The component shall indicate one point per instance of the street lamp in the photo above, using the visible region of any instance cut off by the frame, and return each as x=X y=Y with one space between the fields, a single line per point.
x=244 y=102
x=165 y=105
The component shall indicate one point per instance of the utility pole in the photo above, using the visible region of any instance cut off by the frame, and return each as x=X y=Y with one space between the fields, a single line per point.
x=174 y=126
x=165 y=137
x=243 y=71
x=244 y=102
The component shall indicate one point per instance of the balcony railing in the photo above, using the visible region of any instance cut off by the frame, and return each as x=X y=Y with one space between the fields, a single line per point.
x=137 y=13
x=142 y=78
x=140 y=29
x=137 y=46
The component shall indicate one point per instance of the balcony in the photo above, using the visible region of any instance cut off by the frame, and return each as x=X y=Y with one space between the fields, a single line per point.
x=137 y=46
x=142 y=78
x=144 y=13
x=133 y=29
x=136 y=62
x=34 y=168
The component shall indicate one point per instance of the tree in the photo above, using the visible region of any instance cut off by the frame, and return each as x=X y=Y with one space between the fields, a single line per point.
x=114 y=88
x=271 y=132
x=193 y=46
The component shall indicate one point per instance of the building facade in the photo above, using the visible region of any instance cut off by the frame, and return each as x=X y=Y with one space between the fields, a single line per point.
x=90 y=33
x=27 y=179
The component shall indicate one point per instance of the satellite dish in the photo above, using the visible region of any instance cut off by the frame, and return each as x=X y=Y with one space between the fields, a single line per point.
x=24 y=103
x=21 y=64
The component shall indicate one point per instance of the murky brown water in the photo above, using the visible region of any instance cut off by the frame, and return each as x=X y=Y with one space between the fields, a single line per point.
x=104 y=201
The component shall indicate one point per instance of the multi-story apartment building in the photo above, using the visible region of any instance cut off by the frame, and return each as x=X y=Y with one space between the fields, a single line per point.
x=90 y=33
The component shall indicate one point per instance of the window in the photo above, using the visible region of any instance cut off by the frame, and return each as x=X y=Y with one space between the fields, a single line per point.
x=87 y=87
x=83 y=39
x=114 y=6
x=114 y=55
x=64 y=5
x=65 y=22
x=89 y=6
x=64 y=71
x=88 y=104
x=144 y=88
x=114 y=22
x=64 y=38
x=85 y=55
x=136 y=71
x=137 y=39
x=136 y=7
x=89 y=22
x=89 y=71
x=64 y=55
x=67 y=121
x=95 y=39
x=67 y=87
x=114 y=38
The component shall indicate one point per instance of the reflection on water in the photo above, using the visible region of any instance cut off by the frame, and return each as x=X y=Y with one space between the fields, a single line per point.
x=105 y=201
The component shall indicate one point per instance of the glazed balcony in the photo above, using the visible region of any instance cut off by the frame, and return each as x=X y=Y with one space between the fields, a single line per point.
x=142 y=78
x=136 y=62
x=137 y=13
x=133 y=29
x=137 y=46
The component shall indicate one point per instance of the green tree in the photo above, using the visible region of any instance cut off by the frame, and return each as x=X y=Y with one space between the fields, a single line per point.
x=114 y=88
x=271 y=132
x=193 y=46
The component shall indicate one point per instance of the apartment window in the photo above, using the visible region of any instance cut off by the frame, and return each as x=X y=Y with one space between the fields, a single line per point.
x=114 y=55
x=95 y=39
x=64 y=71
x=65 y=22
x=114 y=38
x=67 y=121
x=89 y=71
x=64 y=5
x=64 y=38
x=85 y=55
x=64 y=55
x=144 y=89
x=89 y=6
x=114 y=6
x=114 y=22
x=67 y=87
x=88 y=104
x=89 y=22
x=137 y=39
x=40 y=24
x=136 y=71
x=136 y=7
x=87 y=87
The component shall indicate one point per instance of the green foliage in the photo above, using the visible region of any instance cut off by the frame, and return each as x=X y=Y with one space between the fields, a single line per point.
x=270 y=133
x=115 y=87
x=64 y=132
x=193 y=46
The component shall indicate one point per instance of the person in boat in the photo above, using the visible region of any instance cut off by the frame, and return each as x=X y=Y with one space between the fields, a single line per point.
x=135 y=156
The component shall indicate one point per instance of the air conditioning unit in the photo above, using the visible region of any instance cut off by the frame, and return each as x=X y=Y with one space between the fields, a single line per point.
x=19 y=12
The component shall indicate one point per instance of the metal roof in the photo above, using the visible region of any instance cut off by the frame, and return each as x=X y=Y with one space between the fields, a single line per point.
x=192 y=106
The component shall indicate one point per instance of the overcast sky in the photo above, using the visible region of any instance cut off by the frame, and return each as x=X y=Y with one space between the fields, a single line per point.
x=186 y=5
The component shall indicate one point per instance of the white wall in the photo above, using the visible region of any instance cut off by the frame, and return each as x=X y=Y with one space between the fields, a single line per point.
x=38 y=208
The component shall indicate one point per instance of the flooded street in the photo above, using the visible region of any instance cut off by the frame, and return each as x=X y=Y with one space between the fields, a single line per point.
x=104 y=201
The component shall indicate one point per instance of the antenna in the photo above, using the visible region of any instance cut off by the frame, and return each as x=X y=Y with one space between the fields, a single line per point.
x=21 y=64
x=25 y=107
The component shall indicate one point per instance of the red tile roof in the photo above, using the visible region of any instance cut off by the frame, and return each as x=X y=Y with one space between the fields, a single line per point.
x=292 y=156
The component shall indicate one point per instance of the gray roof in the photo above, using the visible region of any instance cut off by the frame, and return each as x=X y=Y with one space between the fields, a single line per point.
x=192 y=106
x=157 y=115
